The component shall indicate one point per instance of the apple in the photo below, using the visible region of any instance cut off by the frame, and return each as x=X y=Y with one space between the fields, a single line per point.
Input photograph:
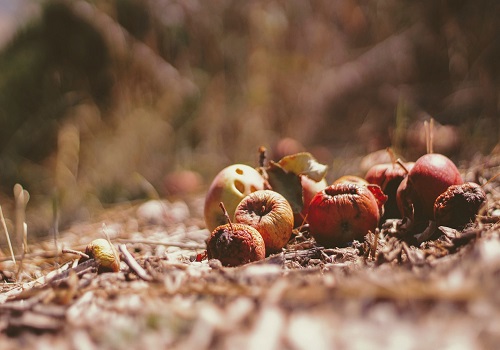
x=309 y=190
x=431 y=175
x=269 y=213
x=230 y=186
x=343 y=212
x=235 y=244
x=389 y=176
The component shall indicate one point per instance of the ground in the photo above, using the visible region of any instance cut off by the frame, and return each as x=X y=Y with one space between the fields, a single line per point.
x=383 y=293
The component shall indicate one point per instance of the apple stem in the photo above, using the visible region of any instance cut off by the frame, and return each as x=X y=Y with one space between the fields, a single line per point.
x=391 y=155
x=226 y=215
x=429 y=135
x=401 y=164
x=262 y=155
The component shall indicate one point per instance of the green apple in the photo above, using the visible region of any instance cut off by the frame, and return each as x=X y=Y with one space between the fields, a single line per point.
x=230 y=186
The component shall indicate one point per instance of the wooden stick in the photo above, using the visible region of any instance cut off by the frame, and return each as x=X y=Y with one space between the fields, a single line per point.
x=133 y=264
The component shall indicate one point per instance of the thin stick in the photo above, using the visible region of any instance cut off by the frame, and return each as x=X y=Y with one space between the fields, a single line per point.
x=427 y=138
x=4 y=224
x=55 y=223
x=133 y=264
x=226 y=215
x=431 y=136
x=76 y=252
x=166 y=244
x=21 y=197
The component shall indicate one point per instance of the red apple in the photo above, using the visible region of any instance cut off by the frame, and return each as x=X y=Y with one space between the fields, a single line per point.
x=431 y=175
x=270 y=214
x=389 y=176
x=309 y=190
x=235 y=244
x=230 y=186
x=342 y=213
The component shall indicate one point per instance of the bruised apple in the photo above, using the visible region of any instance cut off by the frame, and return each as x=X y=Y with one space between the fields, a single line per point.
x=270 y=214
x=230 y=186
x=342 y=213
x=235 y=244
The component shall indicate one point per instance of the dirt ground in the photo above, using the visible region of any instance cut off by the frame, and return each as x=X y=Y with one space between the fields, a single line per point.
x=383 y=293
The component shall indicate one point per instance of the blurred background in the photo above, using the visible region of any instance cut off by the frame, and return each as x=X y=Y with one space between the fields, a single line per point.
x=107 y=101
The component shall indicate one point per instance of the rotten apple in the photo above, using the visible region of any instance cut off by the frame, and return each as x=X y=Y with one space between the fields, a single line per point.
x=269 y=213
x=343 y=212
x=235 y=244
x=230 y=186
x=459 y=205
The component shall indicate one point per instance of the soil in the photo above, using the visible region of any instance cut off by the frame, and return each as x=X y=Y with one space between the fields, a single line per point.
x=436 y=289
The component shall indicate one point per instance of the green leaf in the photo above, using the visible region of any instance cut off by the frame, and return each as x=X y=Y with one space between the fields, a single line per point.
x=303 y=163
x=287 y=184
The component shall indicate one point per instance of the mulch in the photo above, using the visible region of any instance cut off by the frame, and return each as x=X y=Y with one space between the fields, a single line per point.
x=439 y=289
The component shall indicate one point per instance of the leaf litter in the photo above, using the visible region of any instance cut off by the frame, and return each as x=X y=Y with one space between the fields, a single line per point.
x=436 y=289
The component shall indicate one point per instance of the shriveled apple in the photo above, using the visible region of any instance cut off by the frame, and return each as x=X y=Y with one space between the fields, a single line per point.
x=270 y=214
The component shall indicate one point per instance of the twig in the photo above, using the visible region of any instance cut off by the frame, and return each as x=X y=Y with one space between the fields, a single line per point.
x=2 y=219
x=76 y=252
x=166 y=244
x=133 y=264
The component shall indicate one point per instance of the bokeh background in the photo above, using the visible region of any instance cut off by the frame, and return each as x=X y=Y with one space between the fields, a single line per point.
x=107 y=101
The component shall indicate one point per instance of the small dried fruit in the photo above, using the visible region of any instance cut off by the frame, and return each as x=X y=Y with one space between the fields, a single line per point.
x=235 y=244
x=459 y=205
x=104 y=254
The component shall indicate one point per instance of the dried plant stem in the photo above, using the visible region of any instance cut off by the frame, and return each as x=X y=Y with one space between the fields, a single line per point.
x=429 y=135
x=55 y=223
x=133 y=264
x=106 y=235
x=4 y=224
x=490 y=179
x=166 y=244
x=21 y=197
x=76 y=252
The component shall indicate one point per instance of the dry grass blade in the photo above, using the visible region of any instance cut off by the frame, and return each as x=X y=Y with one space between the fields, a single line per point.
x=7 y=236
x=190 y=246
